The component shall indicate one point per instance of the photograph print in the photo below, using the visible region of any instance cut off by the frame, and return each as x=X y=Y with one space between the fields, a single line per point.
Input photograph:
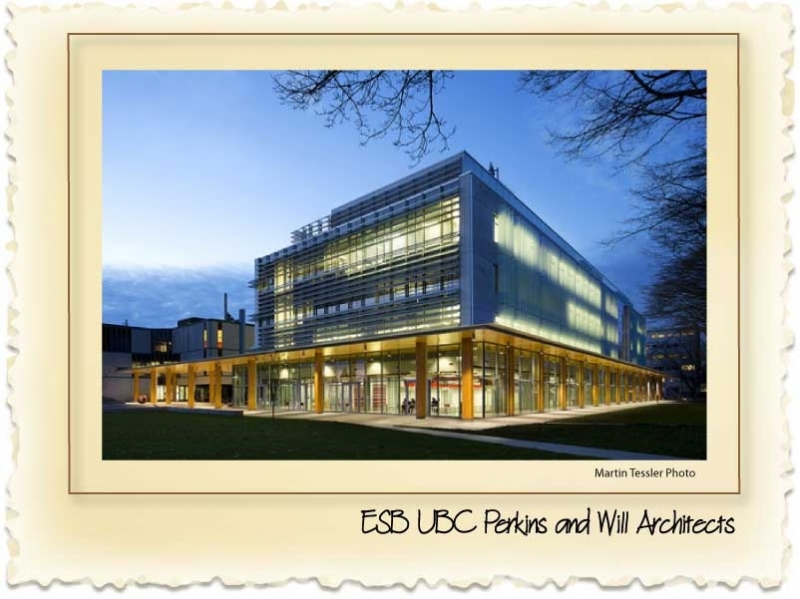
x=404 y=265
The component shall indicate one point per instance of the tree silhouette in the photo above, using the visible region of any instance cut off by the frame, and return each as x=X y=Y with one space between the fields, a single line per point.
x=379 y=103
x=655 y=122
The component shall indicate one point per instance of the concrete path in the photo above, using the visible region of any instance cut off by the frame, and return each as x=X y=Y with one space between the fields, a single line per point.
x=588 y=452
x=460 y=429
x=454 y=424
x=179 y=407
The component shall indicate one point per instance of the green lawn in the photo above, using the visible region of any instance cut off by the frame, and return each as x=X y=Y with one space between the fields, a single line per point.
x=668 y=429
x=150 y=435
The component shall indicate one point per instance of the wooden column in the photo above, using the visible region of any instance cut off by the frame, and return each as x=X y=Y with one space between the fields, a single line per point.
x=319 y=382
x=153 y=386
x=135 y=386
x=169 y=394
x=467 y=384
x=217 y=385
x=422 y=379
x=631 y=386
x=251 y=384
x=595 y=385
x=510 y=387
x=539 y=382
x=190 y=386
x=562 y=384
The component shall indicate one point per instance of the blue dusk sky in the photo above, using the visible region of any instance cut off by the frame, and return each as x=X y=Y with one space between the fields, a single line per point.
x=203 y=171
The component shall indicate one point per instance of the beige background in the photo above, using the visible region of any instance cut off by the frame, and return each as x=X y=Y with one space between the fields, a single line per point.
x=174 y=538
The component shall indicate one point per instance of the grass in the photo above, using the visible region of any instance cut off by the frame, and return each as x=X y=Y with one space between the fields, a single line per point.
x=668 y=429
x=150 y=435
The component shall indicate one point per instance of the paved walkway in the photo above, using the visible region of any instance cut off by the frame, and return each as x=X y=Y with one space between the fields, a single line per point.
x=588 y=452
x=460 y=429
x=454 y=424
x=178 y=406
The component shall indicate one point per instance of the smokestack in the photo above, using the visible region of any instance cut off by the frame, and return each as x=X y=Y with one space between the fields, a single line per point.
x=242 y=329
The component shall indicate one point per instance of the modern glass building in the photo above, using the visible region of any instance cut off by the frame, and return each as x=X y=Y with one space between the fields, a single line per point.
x=441 y=294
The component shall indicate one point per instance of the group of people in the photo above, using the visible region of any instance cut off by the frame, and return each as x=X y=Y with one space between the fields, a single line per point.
x=410 y=406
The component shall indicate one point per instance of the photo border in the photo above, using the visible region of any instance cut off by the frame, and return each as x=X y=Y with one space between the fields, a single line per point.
x=450 y=34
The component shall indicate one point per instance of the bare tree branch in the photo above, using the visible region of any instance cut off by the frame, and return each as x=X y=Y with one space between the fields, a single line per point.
x=654 y=121
x=623 y=111
x=400 y=104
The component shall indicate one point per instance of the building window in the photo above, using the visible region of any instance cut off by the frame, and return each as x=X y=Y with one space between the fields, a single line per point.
x=219 y=335
x=496 y=278
x=496 y=228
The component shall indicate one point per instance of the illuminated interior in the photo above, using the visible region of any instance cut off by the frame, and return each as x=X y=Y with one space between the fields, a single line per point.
x=441 y=295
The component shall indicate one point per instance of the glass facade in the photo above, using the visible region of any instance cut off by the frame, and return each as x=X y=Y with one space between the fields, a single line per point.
x=572 y=386
x=396 y=275
x=282 y=386
x=490 y=378
x=552 y=379
x=444 y=380
x=525 y=372
x=507 y=379
x=543 y=290
x=588 y=383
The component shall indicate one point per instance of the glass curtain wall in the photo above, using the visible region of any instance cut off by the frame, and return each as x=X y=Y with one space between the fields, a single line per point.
x=623 y=386
x=612 y=386
x=588 y=382
x=491 y=397
x=525 y=381
x=572 y=386
x=601 y=386
x=398 y=275
x=444 y=380
x=408 y=381
x=240 y=386
x=547 y=291
x=373 y=383
x=284 y=387
x=552 y=378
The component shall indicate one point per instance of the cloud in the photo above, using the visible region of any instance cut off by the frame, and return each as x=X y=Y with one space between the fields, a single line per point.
x=159 y=297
